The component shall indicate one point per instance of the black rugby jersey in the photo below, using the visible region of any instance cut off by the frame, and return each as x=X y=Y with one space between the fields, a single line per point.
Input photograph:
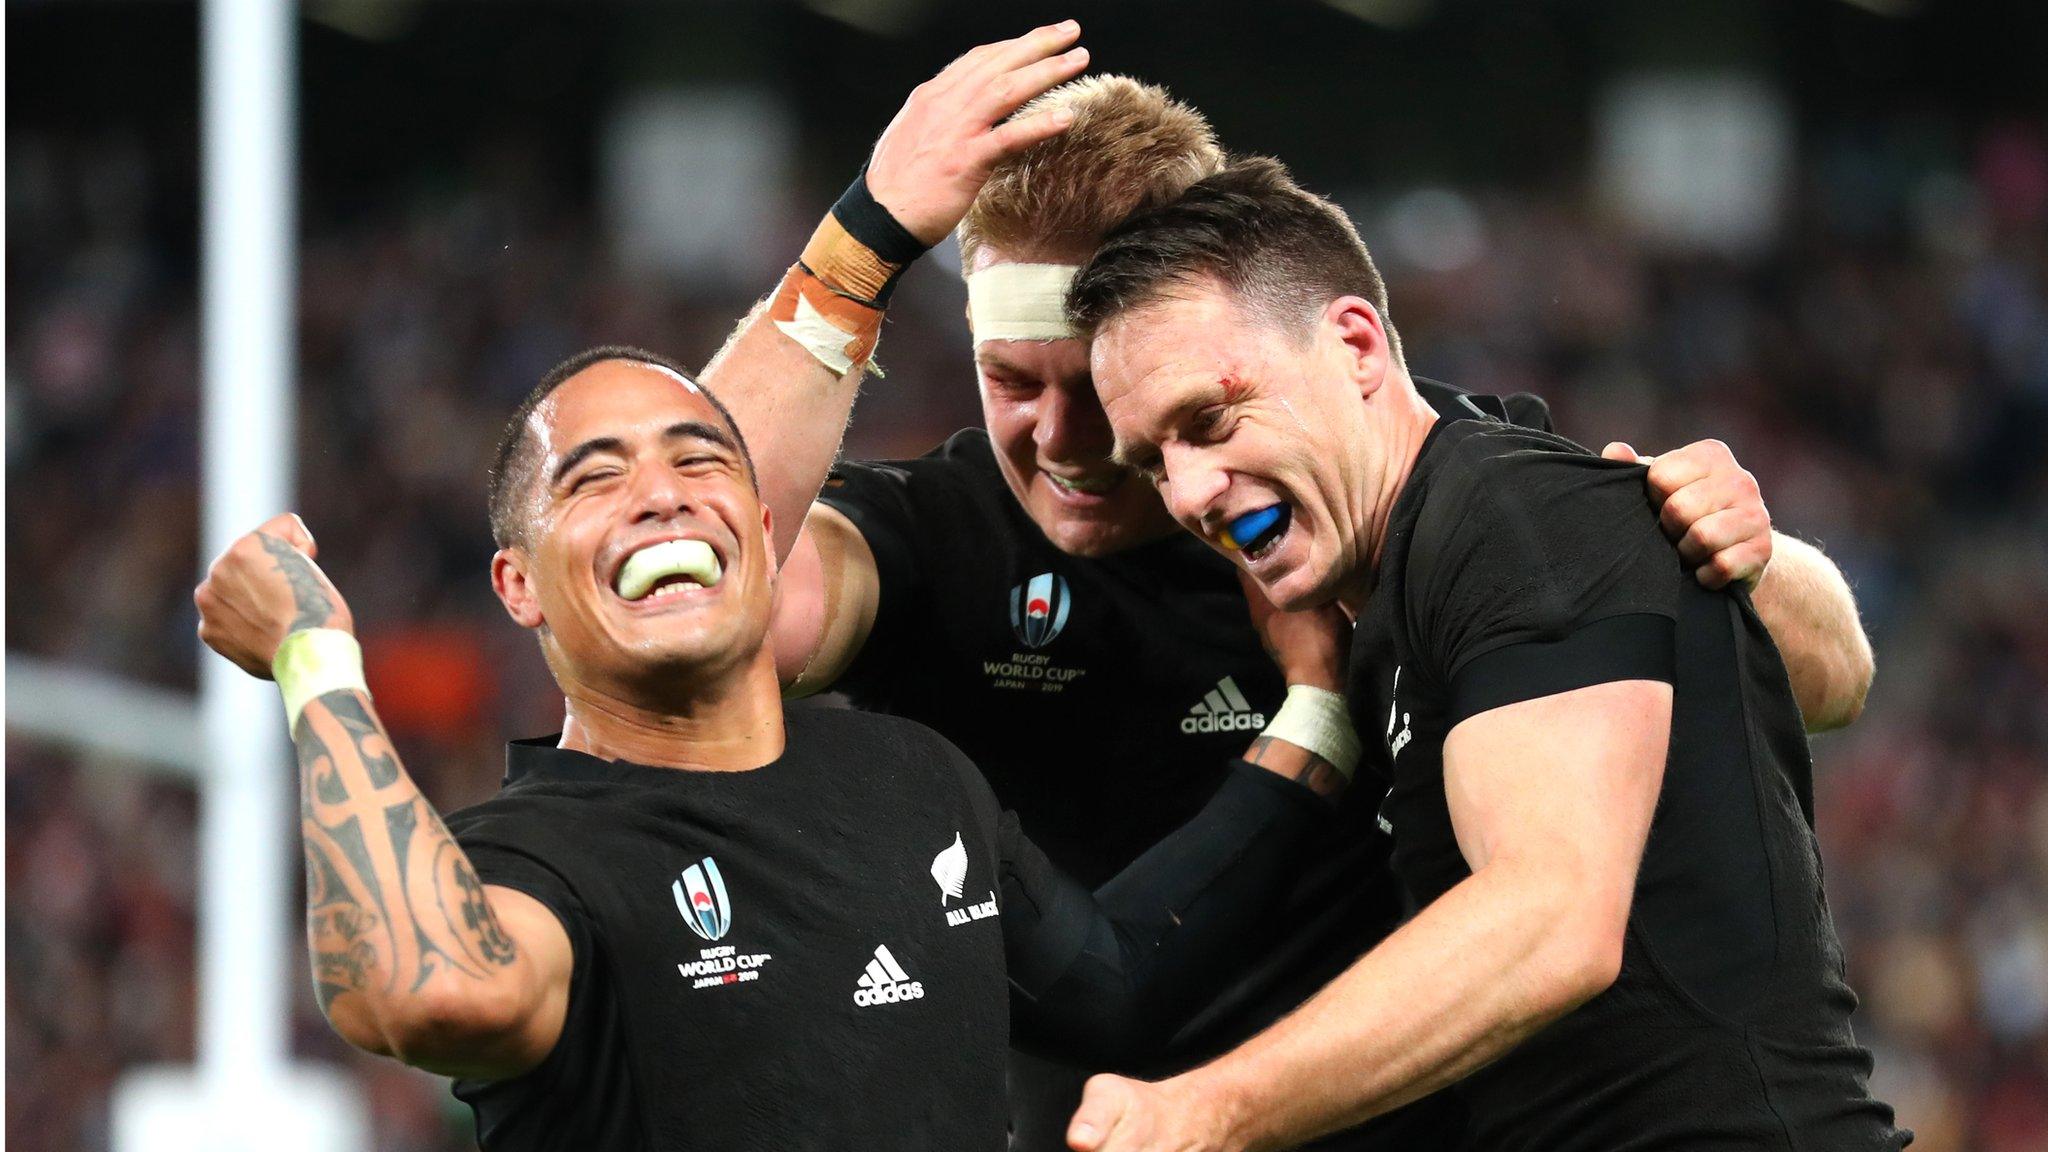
x=812 y=954
x=1517 y=565
x=1022 y=654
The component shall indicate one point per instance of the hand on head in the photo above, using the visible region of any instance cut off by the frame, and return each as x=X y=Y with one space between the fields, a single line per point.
x=939 y=150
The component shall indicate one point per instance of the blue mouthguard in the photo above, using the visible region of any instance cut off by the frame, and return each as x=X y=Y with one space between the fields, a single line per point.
x=1246 y=528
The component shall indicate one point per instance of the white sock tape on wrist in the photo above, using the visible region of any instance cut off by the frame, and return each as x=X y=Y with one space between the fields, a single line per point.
x=313 y=662
x=1318 y=720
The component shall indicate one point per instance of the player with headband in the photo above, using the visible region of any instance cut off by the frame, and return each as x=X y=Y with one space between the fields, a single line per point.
x=1022 y=594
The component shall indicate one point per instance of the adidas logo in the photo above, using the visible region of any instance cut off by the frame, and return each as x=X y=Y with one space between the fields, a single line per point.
x=885 y=982
x=1224 y=709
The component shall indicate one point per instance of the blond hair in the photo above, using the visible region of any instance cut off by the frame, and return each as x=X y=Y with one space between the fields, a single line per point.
x=1131 y=146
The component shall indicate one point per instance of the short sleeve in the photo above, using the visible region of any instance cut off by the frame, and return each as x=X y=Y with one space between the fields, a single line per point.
x=1538 y=569
x=505 y=852
x=877 y=498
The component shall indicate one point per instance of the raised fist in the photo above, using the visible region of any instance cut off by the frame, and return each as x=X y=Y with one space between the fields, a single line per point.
x=264 y=588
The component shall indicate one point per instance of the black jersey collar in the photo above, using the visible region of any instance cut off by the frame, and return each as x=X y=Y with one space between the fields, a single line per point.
x=542 y=759
x=1454 y=403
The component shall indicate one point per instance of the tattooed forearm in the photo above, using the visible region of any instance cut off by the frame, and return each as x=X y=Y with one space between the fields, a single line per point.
x=392 y=903
x=400 y=822
x=338 y=930
x=316 y=763
x=315 y=607
x=479 y=929
x=1297 y=764
x=378 y=759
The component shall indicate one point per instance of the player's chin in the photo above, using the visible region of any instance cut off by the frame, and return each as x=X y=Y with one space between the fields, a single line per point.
x=1093 y=530
x=1292 y=583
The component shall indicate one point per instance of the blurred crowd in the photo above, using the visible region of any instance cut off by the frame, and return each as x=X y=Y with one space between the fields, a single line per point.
x=1883 y=369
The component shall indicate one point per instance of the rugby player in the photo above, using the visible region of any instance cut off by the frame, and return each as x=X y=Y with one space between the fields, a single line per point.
x=693 y=921
x=1022 y=594
x=1601 y=794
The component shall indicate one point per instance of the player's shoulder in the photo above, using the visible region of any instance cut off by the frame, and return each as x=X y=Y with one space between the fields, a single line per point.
x=816 y=726
x=1490 y=452
x=1487 y=479
x=904 y=745
x=959 y=477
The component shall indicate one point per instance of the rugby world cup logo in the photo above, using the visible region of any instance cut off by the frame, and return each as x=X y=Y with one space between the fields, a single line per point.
x=1038 y=609
x=700 y=897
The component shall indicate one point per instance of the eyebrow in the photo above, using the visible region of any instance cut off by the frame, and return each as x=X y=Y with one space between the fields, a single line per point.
x=680 y=430
x=1137 y=457
x=991 y=361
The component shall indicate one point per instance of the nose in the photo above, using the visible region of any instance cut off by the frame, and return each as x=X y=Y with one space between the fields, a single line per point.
x=657 y=492
x=1071 y=425
x=1191 y=485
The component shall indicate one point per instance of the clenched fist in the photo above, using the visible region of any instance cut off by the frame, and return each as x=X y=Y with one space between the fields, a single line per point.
x=263 y=588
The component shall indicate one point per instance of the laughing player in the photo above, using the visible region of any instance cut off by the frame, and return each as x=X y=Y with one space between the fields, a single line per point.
x=1021 y=593
x=693 y=921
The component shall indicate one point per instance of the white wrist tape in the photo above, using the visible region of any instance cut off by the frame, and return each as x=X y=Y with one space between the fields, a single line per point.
x=1316 y=719
x=1020 y=302
x=313 y=662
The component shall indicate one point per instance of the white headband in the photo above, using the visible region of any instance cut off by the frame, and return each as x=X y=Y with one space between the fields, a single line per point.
x=1020 y=302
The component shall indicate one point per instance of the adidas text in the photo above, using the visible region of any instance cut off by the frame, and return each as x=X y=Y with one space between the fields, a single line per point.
x=885 y=982
x=1228 y=722
x=888 y=994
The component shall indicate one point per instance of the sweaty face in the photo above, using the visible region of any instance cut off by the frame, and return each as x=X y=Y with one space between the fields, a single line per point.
x=1255 y=437
x=645 y=555
x=1053 y=443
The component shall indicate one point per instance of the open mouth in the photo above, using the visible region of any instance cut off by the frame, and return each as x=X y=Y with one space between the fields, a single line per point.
x=1257 y=533
x=1086 y=485
x=668 y=569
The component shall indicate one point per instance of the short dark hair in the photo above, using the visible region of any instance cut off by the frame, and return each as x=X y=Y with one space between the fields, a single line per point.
x=519 y=451
x=1283 y=251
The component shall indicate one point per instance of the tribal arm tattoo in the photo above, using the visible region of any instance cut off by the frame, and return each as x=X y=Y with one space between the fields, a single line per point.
x=315 y=607
x=392 y=902
x=1297 y=764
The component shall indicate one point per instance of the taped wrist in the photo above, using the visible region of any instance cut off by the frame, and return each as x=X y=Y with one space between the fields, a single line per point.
x=313 y=662
x=1318 y=720
x=860 y=249
x=832 y=301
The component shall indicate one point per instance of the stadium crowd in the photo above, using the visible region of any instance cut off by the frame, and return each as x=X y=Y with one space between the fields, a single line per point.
x=1883 y=369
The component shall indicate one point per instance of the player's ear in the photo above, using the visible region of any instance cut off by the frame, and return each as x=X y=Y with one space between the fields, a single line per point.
x=1362 y=341
x=768 y=539
x=515 y=591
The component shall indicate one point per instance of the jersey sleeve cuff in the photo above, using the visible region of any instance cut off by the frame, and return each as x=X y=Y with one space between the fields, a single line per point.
x=1639 y=646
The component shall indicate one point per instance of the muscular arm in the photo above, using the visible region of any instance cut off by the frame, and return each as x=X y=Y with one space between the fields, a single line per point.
x=413 y=957
x=1551 y=800
x=1713 y=509
x=926 y=169
x=826 y=600
x=1811 y=613
x=792 y=410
